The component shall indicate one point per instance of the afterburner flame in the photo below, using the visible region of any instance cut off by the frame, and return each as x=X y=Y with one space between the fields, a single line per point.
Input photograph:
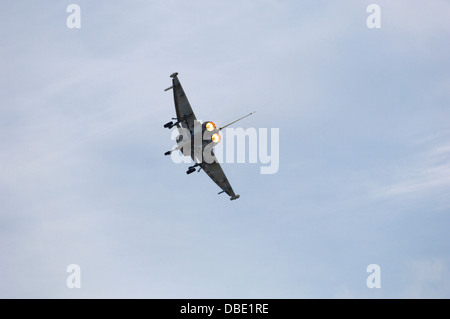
x=210 y=126
x=215 y=138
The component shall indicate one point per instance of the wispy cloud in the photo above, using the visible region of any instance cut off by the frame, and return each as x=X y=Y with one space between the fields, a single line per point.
x=421 y=172
x=83 y=178
x=427 y=278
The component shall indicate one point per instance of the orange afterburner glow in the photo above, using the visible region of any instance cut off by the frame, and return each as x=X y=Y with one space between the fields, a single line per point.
x=215 y=138
x=210 y=126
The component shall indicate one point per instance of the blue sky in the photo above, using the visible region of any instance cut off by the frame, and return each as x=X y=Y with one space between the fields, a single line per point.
x=364 y=172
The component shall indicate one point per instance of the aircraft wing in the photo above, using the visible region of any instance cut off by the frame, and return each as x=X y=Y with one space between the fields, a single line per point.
x=183 y=109
x=186 y=118
x=214 y=170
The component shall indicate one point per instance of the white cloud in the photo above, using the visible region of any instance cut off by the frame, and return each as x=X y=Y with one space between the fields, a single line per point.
x=427 y=278
x=83 y=177
x=421 y=173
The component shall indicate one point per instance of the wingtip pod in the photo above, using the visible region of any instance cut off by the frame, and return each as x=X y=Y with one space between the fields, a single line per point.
x=235 y=197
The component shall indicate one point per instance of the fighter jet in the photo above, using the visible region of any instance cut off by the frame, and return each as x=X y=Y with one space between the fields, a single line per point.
x=197 y=139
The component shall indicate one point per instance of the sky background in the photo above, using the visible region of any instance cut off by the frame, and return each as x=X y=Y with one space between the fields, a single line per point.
x=364 y=174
